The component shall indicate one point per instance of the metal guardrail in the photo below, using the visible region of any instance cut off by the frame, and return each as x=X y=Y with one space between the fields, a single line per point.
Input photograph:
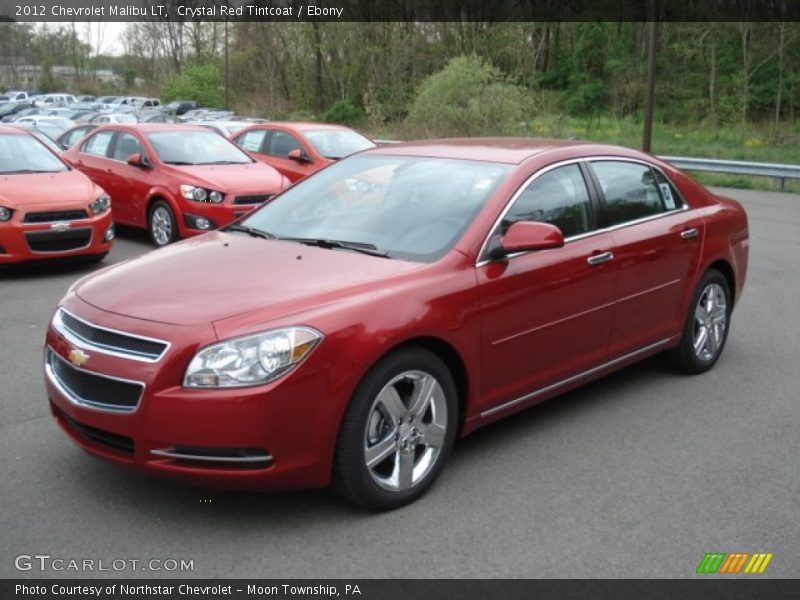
x=779 y=171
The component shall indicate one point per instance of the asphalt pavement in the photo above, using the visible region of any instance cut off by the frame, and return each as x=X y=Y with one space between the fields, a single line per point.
x=636 y=475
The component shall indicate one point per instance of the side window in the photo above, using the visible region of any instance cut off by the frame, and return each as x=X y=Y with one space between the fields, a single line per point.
x=74 y=137
x=630 y=190
x=281 y=143
x=252 y=140
x=125 y=146
x=558 y=197
x=672 y=199
x=97 y=145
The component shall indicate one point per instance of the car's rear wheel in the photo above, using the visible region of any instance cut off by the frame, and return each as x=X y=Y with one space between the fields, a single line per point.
x=161 y=224
x=706 y=328
x=397 y=432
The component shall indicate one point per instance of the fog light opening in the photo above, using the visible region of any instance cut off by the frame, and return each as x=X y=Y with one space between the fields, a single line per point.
x=202 y=223
x=109 y=234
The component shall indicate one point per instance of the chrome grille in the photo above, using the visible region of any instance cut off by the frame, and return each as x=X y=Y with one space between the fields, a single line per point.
x=109 y=341
x=85 y=388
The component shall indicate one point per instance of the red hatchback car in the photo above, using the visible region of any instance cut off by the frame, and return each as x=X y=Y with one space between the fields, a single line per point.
x=173 y=180
x=47 y=210
x=353 y=328
x=299 y=149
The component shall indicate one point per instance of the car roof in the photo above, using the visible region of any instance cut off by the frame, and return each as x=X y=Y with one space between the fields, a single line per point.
x=6 y=129
x=152 y=127
x=503 y=150
x=303 y=125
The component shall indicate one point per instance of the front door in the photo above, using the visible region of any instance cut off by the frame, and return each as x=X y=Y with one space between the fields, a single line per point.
x=546 y=315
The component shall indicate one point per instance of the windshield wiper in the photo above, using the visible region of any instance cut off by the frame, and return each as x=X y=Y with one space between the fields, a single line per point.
x=362 y=247
x=252 y=231
x=179 y=163
x=224 y=162
x=24 y=172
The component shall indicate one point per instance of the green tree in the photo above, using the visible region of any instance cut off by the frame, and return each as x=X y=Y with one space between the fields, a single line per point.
x=201 y=83
x=468 y=97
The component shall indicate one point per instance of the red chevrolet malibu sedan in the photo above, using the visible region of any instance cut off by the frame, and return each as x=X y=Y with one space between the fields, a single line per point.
x=353 y=328
x=299 y=149
x=173 y=180
x=47 y=210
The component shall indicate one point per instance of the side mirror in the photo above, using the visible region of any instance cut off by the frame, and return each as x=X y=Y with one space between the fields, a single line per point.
x=298 y=155
x=525 y=236
x=137 y=160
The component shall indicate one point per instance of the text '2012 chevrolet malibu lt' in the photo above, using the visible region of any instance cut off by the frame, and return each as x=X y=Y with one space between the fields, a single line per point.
x=349 y=331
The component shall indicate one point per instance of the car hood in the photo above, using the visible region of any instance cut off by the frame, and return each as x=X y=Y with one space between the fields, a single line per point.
x=220 y=275
x=232 y=178
x=38 y=188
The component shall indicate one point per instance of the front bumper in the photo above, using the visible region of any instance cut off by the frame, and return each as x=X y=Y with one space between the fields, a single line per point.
x=277 y=436
x=22 y=242
x=218 y=214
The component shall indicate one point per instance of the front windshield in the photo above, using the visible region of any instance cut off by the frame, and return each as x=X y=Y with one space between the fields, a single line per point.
x=411 y=208
x=337 y=143
x=186 y=147
x=24 y=154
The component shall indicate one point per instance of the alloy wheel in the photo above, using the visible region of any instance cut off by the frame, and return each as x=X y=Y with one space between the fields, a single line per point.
x=405 y=431
x=710 y=322
x=161 y=225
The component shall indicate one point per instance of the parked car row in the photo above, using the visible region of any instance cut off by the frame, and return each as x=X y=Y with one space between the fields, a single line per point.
x=179 y=180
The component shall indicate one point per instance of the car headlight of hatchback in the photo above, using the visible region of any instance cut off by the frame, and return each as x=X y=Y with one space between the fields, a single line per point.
x=200 y=194
x=5 y=213
x=251 y=360
x=101 y=204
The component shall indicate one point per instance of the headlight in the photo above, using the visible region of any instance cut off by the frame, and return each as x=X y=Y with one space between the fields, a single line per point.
x=101 y=205
x=251 y=360
x=5 y=213
x=199 y=194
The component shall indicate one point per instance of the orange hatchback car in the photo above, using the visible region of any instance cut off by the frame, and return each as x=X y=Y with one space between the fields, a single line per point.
x=299 y=149
x=47 y=209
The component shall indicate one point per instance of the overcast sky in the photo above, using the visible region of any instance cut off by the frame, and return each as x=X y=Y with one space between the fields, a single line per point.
x=108 y=35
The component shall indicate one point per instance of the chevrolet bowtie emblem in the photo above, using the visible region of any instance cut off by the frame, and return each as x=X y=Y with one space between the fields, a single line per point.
x=78 y=357
x=59 y=226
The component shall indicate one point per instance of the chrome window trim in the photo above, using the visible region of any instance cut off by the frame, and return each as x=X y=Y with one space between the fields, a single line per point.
x=82 y=402
x=480 y=261
x=572 y=378
x=78 y=340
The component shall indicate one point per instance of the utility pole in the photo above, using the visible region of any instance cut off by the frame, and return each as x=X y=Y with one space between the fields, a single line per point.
x=226 y=64
x=647 y=135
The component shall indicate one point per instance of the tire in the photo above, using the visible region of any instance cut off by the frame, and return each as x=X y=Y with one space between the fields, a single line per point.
x=161 y=224
x=704 y=333
x=407 y=443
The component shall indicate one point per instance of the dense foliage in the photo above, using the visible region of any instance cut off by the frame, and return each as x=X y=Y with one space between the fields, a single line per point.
x=385 y=73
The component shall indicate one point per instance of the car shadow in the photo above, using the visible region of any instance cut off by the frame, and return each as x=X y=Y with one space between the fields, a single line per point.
x=109 y=485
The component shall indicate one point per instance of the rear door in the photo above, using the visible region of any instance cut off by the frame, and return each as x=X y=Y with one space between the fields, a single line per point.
x=93 y=159
x=657 y=243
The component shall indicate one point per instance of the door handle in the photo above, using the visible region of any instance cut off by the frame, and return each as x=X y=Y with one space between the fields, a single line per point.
x=690 y=233
x=599 y=259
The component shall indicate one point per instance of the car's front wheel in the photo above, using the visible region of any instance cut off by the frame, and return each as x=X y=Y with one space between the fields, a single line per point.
x=161 y=224
x=398 y=431
x=706 y=328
